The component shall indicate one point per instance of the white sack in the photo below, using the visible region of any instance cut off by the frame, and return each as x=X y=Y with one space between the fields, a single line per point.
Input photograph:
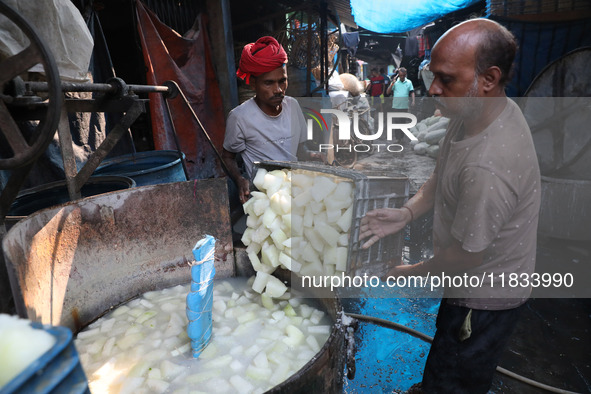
x=61 y=27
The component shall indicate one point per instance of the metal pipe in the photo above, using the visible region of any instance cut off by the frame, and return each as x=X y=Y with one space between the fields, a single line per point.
x=176 y=140
x=148 y=89
x=95 y=87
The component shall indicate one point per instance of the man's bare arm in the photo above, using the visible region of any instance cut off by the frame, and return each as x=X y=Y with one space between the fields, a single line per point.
x=453 y=260
x=424 y=200
x=243 y=184
x=306 y=154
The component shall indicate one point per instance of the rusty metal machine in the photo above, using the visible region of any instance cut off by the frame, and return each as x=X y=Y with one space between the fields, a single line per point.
x=32 y=111
x=43 y=105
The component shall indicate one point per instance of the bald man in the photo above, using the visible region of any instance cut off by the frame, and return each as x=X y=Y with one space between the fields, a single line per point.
x=485 y=192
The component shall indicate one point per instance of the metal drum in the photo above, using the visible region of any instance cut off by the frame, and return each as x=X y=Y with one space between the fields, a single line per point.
x=55 y=193
x=146 y=168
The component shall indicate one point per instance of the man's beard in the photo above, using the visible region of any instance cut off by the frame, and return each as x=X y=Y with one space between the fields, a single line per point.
x=470 y=105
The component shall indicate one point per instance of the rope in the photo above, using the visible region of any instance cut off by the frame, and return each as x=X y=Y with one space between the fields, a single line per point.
x=207 y=257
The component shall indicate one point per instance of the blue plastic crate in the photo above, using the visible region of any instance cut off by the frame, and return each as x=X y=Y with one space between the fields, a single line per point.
x=57 y=371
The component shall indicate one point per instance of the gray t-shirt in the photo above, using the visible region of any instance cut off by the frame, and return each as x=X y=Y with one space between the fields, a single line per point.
x=488 y=198
x=259 y=137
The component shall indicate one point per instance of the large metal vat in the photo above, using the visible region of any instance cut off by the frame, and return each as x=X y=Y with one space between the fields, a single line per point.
x=70 y=264
x=45 y=196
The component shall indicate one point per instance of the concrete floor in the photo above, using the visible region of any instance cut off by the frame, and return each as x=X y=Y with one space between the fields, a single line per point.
x=552 y=341
x=551 y=344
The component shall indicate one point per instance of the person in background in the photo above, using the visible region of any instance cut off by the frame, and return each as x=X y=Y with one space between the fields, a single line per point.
x=376 y=89
x=400 y=89
x=269 y=126
x=485 y=192
x=386 y=80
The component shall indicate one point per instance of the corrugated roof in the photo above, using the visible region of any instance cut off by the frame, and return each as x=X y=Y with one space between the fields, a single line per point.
x=343 y=10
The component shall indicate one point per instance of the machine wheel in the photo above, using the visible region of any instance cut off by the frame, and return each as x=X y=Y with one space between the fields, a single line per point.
x=26 y=149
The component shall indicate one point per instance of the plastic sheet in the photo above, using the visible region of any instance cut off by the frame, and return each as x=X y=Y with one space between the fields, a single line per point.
x=398 y=16
x=62 y=28
x=200 y=299
x=187 y=61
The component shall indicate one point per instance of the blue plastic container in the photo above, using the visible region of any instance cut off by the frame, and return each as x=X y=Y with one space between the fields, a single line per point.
x=146 y=168
x=57 y=371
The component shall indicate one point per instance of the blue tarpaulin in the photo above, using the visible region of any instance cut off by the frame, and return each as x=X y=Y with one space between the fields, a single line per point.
x=398 y=16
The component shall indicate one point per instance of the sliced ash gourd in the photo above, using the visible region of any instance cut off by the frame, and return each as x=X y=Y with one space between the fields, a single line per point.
x=298 y=220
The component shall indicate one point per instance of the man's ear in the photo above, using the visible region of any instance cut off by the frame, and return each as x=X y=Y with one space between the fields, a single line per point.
x=492 y=78
x=252 y=82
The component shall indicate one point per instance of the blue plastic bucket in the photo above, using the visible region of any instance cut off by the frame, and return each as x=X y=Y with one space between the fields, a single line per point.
x=146 y=168
x=57 y=371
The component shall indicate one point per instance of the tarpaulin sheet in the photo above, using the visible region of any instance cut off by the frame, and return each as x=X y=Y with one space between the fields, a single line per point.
x=60 y=26
x=398 y=16
x=541 y=43
x=170 y=57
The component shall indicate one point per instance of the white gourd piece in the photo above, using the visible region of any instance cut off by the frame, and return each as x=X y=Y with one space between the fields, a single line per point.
x=344 y=222
x=275 y=288
x=341 y=259
x=270 y=256
x=322 y=187
x=259 y=178
x=328 y=234
x=260 y=282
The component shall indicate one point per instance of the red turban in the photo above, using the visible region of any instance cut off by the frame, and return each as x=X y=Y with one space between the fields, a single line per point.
x=260 y=57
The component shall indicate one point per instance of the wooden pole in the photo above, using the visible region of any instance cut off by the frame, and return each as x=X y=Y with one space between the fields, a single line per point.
x=222 y=46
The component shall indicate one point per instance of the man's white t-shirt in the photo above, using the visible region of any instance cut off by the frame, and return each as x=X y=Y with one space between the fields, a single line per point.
x=260 y=137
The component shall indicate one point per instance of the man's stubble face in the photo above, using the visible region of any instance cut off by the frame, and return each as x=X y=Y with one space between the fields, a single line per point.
x=456 y=87
x=270 y=88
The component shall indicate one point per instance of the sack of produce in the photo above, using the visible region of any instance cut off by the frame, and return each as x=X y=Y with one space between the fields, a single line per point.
x=440 y=123
x=421 y=127
x=422 y=135
x=421 y=148
x=434 y=136
x=433 y=151
x=351 y=84
x=432 y=120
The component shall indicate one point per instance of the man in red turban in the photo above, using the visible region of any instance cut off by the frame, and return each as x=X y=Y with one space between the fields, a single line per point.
x=269 y=126
x=261 y=57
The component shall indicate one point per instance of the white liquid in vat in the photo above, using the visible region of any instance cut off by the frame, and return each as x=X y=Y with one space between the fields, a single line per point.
x=143 y=347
